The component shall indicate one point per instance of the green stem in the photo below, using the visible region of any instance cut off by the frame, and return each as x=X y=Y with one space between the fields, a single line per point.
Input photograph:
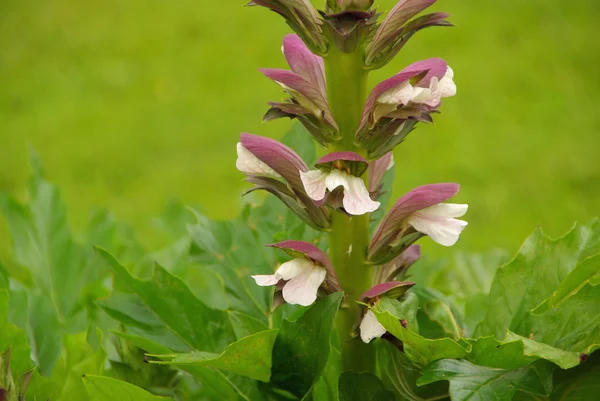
x=349 y=238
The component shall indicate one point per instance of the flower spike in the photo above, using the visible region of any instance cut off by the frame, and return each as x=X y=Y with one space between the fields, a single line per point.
x=417 y=213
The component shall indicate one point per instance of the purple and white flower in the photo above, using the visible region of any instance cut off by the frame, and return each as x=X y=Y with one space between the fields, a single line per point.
x=419 y=211
x=302 y=276
x=341 y=169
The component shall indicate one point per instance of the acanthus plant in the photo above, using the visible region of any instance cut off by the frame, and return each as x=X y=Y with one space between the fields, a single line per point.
x=317 y=293
x=330 y=57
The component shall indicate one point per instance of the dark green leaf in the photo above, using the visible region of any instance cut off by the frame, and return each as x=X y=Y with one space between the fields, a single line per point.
x=250 y=357
x=302 y=348
x=362 y=387
x=478 y=383
x=399 y=374
x=579 y=384
x=196 y=325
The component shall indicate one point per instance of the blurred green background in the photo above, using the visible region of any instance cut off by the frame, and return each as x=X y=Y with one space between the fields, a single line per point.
x=130 y=103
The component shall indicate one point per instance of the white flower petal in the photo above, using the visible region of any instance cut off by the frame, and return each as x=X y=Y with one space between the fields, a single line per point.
x=439 y=223
x=389 y=100
x=356 y=200
x=446 y=210
x=302 y=289
x=429 y=96
x=249 y=164
x=266 y=280
x=447 y=85
x=370 y=327
x=401 y=94
x=314 y=183
x=293 y=268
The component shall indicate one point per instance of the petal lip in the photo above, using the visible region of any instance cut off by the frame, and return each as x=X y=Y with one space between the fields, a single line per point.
x=314 y=182
x=293 y=247
x=303 y=288
x=265 y=280
x=414 y=200
x=383 y=288
x=370 y=327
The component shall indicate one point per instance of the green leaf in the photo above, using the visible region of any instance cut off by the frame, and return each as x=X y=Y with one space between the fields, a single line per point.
x=106 y=389
x=570 y=286
x=579 y=384
x=421 y=350
x=516 y=351
x=404 y=308
x=533 y=276
x=250 y=357
x=400 y=374
x=478 y=383
x=362 y=387
x=14 y=338
x=196 y=325
x=302 y=348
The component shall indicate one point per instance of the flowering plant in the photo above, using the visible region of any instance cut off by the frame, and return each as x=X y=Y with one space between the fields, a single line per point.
x=316 y=294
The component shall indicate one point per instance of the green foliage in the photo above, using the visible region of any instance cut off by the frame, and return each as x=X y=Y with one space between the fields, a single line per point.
x=250 y=357
x=473 y=328
x=302 y=348
x=106 y=389
x=362 y=387
x=479 y=383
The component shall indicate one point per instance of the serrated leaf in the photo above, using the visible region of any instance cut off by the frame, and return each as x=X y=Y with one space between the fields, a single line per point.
x=250 y=357
x=196 y=325
x=302 y=347
x=419 y=349
x=106 y=389
x=362 y=387
x=478 y=383
x=533 y=276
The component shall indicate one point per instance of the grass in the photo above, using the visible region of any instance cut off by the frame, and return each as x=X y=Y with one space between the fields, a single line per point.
x=132 y=103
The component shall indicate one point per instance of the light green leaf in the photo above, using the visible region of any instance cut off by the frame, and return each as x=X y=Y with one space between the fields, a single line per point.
x=478 y=383
x=362 y=387
x=250 y=357
x=575 y=281
x=302 y=347
x=196 y=325
x=421 y=350
x=534 y=275
x=516 y=351
x=404 y=308
x=14 y=338
x=106 y=389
